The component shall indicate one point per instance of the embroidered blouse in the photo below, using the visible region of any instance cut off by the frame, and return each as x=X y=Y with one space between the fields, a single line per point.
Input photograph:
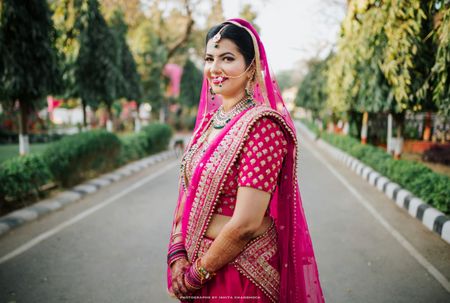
x=258 y=165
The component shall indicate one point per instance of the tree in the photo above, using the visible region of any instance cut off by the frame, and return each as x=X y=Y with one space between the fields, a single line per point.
x=97 y=75
x=440 y=70
x=190 y=86
x=129 y=84
x=312 y=92
x=69 y=18
x=29 y=68
x=161 y=39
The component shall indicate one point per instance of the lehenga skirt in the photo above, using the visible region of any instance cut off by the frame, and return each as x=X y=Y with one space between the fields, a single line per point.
x=233 y=282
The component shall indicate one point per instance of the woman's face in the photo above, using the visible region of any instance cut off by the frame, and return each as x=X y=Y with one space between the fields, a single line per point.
x=225 y=60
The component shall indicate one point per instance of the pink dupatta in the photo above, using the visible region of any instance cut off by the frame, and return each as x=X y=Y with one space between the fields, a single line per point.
x=299 y=277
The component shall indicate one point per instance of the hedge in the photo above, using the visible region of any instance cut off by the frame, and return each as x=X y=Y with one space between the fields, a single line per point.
x=433 y=188
x=151 y=139
x=21 y=177
x=76 y=158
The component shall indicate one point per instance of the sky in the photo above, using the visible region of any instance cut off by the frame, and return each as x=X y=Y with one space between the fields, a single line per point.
x=293 y=30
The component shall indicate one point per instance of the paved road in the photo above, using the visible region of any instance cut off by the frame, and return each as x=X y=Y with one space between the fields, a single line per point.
x=110 y=246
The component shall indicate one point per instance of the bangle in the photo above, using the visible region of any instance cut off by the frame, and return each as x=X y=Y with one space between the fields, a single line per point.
x=176 y=252
x=173 y=236
x=206 y=275
x=196 y=276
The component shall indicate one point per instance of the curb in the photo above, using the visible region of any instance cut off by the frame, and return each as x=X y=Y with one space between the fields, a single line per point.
x=39 y=209
x=432 y=218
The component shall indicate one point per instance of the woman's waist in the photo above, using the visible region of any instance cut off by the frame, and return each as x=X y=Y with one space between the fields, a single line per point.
x=218 y=222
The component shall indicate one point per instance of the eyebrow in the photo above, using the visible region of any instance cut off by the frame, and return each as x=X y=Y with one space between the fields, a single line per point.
x=220 y=55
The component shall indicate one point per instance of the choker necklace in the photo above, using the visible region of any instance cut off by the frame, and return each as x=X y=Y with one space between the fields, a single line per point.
x=221 y=118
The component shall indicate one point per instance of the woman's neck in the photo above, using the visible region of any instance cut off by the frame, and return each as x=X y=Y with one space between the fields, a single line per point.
x=229 y=102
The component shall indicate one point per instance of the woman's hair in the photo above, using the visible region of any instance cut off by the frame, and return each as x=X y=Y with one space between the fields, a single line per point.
x=239 y=36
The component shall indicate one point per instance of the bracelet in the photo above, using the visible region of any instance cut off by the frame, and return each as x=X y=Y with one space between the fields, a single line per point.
x=196 y=276
x=206 y=275
x=173 y=236
x=176 y=252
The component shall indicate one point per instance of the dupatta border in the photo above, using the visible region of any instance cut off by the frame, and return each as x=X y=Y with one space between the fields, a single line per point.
x=253 y=263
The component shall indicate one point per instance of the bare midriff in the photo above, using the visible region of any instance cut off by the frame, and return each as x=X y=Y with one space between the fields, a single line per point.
x=218 y=221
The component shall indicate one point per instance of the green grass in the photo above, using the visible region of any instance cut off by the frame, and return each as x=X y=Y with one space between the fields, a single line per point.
x=8 y=151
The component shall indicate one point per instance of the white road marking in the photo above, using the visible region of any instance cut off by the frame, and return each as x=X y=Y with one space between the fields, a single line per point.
x=405 y=243
x=36 y=240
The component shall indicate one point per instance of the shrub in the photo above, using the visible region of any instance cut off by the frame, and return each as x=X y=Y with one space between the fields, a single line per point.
x=157 y=137
x=21 y=177
x=431 y=187
x=151 y=139
x=133 y=148
x=77 y=157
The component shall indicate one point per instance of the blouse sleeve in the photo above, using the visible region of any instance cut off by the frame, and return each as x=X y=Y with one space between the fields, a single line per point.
x=262 y=156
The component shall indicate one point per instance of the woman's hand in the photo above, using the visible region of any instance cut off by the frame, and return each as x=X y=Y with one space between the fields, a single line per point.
x=177 y=270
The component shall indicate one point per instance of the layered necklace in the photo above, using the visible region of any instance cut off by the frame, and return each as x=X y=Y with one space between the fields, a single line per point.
x=221 y=118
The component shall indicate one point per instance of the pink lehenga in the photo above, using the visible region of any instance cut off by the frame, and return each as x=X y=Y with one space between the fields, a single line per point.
x=279 y=265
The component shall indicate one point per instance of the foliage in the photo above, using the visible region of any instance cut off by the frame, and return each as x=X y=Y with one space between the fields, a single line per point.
x=129 y=83
x=133 y=148
x=152 y=139
x=96 y=72
x=29 y=68
x=151 y=54
x=312 y=92
x=157 y=137
x=441 y=93
x=21 y=177
x=190 y=86
x=74 y=158
x=404 y=48
x=431 y=187
x=384 y=58
x=69 y=18
x=342 y=77
x=373 y=94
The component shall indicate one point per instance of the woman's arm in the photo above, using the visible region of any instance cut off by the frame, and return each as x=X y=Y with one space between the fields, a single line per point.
x=251 y=205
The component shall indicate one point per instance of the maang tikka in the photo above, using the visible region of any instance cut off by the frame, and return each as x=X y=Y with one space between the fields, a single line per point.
x=218 y=36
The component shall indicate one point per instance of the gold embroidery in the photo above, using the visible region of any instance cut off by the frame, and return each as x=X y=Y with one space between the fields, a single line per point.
x=253 y=262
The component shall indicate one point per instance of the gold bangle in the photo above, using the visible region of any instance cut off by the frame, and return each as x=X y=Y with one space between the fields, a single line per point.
x=205 y=275
x=173 y=236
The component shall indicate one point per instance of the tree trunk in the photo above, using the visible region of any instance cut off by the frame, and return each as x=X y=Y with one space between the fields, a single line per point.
x=137 y=119
x=427 y=130
x=364 y=128
x=83 y=106
x=24 y=146
x=389 y=141
x=400 y=122
x=109 y=121
x=162 y=112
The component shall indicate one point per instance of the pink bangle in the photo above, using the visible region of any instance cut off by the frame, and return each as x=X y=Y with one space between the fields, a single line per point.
x=176 y=252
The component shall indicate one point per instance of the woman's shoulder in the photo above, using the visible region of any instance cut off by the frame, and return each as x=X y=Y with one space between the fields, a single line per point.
x=265 y=121
x=266 y=130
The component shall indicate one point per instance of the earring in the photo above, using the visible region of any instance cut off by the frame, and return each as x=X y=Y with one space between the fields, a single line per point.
x=249 y=89
x=211 y=92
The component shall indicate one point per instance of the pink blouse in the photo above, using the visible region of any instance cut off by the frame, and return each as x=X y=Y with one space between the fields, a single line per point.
x=258 y=166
